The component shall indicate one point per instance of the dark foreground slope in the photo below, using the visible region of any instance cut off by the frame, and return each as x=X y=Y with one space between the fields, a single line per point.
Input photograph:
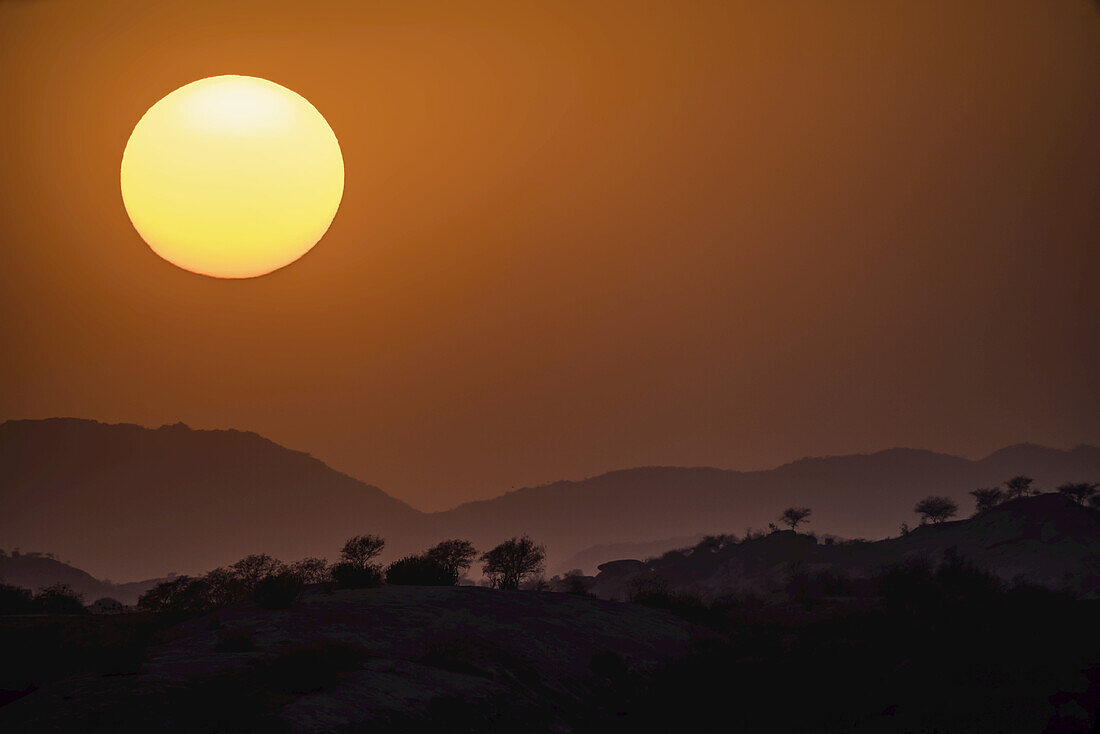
x=1046 y=540
x=940 y=651
x=473 y=659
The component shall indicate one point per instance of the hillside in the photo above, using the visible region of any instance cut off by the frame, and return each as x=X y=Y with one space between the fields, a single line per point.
x=367 y=659
x=860 y=496
x=1045 y=540
x=128 y=502
x=34 y=571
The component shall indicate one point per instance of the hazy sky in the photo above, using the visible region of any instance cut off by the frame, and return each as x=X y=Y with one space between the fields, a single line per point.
x=580 y=236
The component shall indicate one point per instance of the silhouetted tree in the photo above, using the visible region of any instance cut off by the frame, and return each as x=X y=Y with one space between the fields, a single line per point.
x=513 y=560
x=987 y=498
x=251 y=569
x=15 y=600
x=420 y=571
x=936 y=509
x=350 y=576
x=59 y=599
x=361 y=550
x=1094 y=501
x=793 y=516
x=454 y=555
x=573 y=582
x=1079 y=492
x=311 y=570
x=1019 y=486
x=224 y=586
x=179 y=594
x=277 y=591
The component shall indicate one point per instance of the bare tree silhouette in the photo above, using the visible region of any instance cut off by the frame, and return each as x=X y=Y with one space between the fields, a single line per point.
x=1019 y=486
x=987 y=498
x=513 y=560
x=1079 y=492
x=936 y=509
x=793 y=516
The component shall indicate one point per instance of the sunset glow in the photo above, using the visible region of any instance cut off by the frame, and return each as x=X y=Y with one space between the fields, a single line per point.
x=232 y=176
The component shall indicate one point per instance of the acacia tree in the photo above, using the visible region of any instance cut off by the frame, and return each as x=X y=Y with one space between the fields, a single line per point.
x=361 y=550
x=792 y=516
x=1019 y=486
x=936 y=509
x=987 y=498
x=311 y=570
x=1079 y=492
x=251 y=569
x=456 y=556
x=512 y=561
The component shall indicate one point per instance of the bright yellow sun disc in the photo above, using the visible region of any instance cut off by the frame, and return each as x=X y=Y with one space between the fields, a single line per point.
x=232 y=176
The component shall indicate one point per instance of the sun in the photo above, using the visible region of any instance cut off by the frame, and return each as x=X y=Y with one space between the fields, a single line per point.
x=232 y=176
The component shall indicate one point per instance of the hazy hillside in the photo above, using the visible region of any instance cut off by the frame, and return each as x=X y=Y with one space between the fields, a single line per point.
x=1047 y=540
x=865 y=496
x=34 y=571
x=128 y=502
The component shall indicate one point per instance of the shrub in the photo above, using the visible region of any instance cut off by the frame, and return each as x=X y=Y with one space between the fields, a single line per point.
x=277 y=591
x=420 y=571
x=352 y=576
x=575 y=582
x=361 y=550
x=14 y=600
x=312 y=570
x=181 y=594
x=250 y=570
x=59 y=599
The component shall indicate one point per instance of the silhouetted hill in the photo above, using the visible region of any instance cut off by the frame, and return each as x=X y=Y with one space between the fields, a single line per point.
x=35 y=570
x=1046 y=540
x=130 y=502
x=864 y=495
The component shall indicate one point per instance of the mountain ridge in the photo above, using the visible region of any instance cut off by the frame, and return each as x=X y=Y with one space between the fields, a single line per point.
x=186 y=500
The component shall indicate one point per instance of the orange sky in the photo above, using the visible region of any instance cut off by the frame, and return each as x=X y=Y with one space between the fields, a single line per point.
x=580 y=236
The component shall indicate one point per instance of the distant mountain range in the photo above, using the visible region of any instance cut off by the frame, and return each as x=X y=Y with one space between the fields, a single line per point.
x=34 y=571
x=130 y=502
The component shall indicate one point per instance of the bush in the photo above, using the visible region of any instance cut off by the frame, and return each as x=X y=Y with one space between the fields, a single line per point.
x=59 y=599
x=420 y=571
x=277 y=591
x=14 y=600
x=181 y=594
x=353 y=576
